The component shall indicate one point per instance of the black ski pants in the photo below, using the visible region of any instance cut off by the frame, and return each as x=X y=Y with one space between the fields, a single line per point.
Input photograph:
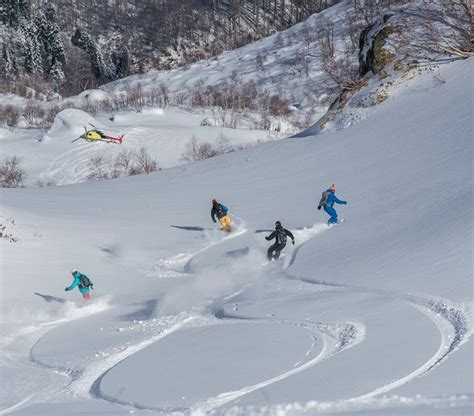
x=274 y=251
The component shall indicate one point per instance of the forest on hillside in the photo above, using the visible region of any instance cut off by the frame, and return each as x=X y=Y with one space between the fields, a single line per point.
x=72 y=45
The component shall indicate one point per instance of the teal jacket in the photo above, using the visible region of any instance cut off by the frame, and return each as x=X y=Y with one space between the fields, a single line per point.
x=77 y=282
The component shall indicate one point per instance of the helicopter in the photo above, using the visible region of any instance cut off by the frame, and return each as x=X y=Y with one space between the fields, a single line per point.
x=95 y=135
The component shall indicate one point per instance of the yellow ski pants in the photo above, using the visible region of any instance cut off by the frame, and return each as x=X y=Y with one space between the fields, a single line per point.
x=226 y=223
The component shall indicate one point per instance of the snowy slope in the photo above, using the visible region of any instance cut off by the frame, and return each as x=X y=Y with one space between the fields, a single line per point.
x=287 y=64
x=370 y=317
x=51 y=157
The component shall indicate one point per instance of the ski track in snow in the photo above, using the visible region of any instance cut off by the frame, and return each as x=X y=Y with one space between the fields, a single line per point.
x=17 y=406
x=86 y=381
x=68 y=162
x=451 y=322
x=32 y=332
x=336 y=336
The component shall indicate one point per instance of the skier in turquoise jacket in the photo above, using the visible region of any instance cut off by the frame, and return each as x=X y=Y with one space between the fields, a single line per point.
x=328 y=200
x=82 y=282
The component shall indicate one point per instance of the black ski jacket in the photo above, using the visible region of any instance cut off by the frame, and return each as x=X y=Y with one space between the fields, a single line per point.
x=219 y=211
x=274 y=234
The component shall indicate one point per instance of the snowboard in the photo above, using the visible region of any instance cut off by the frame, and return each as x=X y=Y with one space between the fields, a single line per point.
x=339 y=222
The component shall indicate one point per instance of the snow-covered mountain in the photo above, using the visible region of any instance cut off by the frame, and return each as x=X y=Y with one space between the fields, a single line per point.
x=373 y=316
x=319 y=74
x=66 y=45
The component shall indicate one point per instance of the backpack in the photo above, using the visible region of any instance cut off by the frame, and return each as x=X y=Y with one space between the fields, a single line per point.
x=221 y=211
x=324 y=199
x=84 y=281
x=281 y=236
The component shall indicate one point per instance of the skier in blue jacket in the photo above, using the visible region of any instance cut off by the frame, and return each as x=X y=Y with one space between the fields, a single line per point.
x=328 y=200
x=82 y=282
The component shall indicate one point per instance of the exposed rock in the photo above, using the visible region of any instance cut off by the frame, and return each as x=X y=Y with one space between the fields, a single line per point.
x=373 y=56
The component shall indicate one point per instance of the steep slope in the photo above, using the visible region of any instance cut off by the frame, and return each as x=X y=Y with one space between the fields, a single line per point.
x=376 y=310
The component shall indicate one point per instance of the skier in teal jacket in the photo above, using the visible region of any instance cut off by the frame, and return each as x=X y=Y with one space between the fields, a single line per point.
x=82 y=282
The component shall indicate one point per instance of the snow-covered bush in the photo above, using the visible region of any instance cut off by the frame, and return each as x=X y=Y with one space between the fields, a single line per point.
x=12 y=174
x=35 y=114
x=45 y=183
x=144 y=162
x=135 y=97
x=9 y=115
x=122 y=162
x=196 y=150
x=99 y=169
x=126 y=163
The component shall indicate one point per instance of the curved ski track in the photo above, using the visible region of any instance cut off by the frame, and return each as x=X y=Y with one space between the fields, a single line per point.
x=336 y=337
x=451 y=322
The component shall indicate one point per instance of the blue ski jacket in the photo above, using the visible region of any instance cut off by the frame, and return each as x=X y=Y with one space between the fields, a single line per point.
x=77 y=282
x=332 y=198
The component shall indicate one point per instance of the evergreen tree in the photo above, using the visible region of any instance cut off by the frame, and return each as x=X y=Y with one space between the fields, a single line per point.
x=123 y=64
x=53 y=44
x=11 y=11
x=86 y=43
x=10 y=65
x=24 y=7
x=30 y=46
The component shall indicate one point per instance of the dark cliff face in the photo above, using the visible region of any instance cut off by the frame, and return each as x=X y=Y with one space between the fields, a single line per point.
x=372 y=54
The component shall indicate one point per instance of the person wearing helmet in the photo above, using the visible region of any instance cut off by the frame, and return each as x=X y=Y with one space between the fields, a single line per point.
x=327 y=201
x=221 y=212
x=280 y=235
x=82 y=282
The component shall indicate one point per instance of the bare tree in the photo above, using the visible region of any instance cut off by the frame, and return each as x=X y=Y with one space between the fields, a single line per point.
x=12 y=174
x=34 y=114
x=451 y=27
x=9 y=115
x=366 y=9
x=136 y=97
x=123 y=161
x=144 y=162
x=342 y=71
x=198 y=151
x=99 y=169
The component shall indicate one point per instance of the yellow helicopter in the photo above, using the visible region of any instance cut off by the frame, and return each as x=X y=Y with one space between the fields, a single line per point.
x=95 y=135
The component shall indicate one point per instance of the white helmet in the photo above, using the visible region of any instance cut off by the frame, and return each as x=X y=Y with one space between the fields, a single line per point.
x=73 y=271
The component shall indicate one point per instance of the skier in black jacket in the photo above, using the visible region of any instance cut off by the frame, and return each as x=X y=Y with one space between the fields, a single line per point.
x=280 y=235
